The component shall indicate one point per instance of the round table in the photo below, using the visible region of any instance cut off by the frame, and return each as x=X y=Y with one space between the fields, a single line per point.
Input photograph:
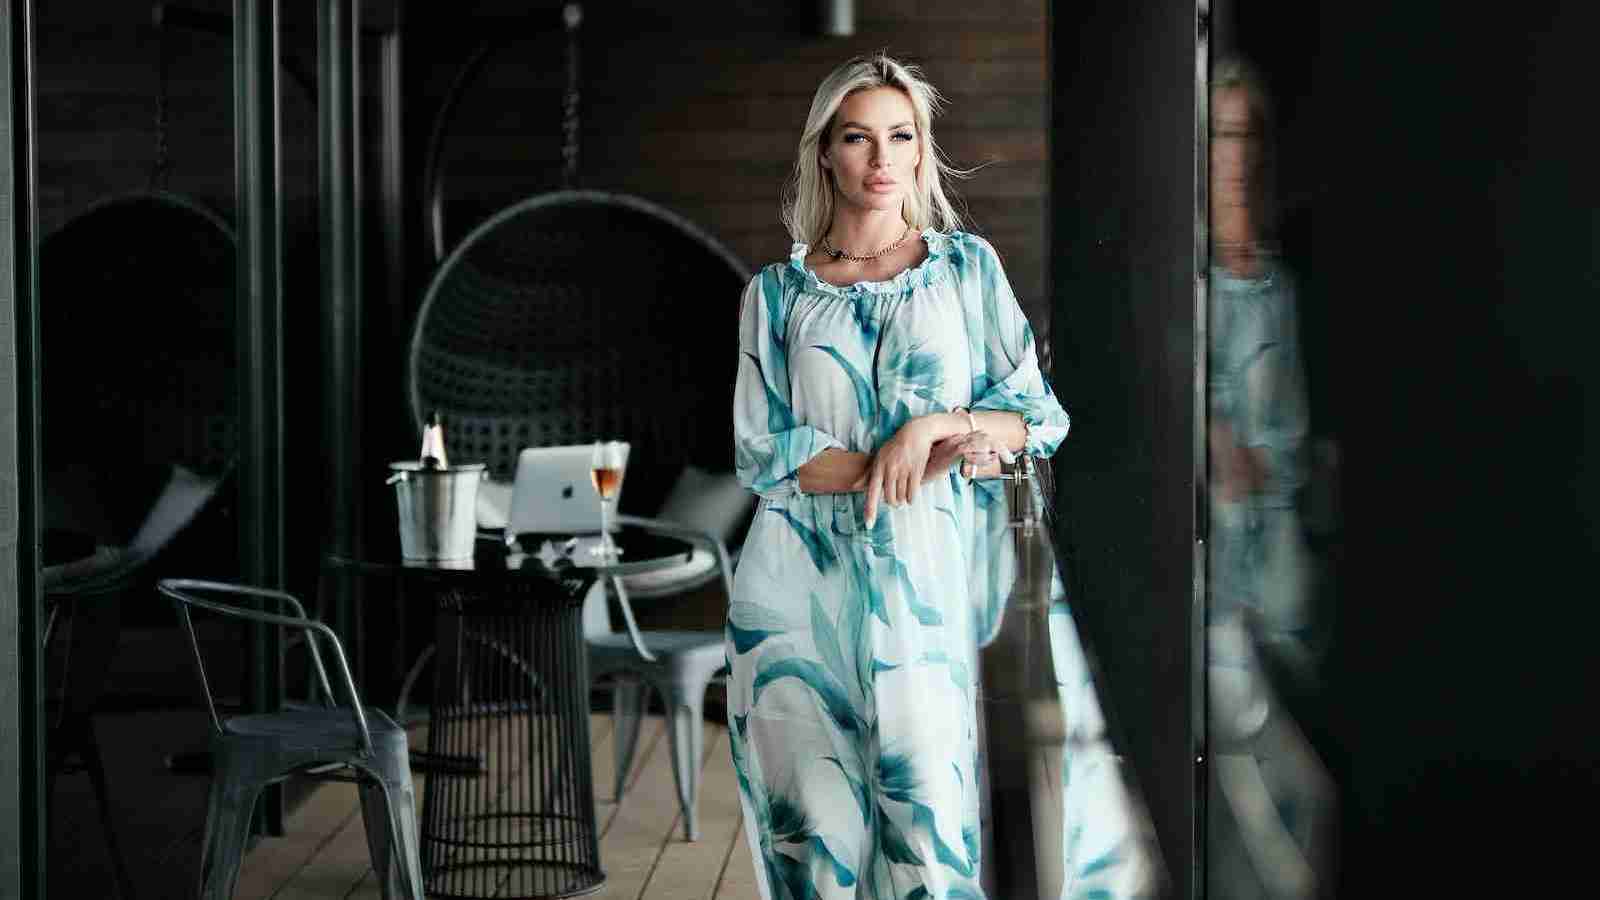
x=508 y=804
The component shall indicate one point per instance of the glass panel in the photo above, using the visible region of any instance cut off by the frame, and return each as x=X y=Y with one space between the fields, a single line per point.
x=1271 y=811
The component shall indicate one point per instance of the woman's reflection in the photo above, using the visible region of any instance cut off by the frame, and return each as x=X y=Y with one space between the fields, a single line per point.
x=1057 y=783
x=1271 y=802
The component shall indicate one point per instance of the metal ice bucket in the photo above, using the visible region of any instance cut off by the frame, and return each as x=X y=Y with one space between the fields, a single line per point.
x=438 y=509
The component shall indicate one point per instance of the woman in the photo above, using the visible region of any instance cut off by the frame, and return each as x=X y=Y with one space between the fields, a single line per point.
x=882 y=362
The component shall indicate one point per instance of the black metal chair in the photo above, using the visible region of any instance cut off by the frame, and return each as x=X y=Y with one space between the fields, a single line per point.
x=344 y=743
x=580 y=315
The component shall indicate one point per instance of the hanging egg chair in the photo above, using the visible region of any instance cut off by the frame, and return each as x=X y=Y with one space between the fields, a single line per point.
x=574 y=315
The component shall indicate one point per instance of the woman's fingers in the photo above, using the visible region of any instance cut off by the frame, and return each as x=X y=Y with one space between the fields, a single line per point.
x=914 y=480
x=978 y=448
x=874 y=492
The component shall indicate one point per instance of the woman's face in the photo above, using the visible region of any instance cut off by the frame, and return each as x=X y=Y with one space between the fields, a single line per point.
x=873 y=149
x=1235 y=153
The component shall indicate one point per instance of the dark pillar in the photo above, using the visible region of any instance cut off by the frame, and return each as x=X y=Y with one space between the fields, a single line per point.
x=22 y=837
x=339 y=199
x=1127 y=191
x=260 y=336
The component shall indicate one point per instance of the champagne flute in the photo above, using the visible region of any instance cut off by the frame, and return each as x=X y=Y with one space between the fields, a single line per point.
x=606 y=475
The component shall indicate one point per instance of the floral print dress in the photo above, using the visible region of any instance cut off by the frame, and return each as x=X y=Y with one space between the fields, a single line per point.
x=852 y=701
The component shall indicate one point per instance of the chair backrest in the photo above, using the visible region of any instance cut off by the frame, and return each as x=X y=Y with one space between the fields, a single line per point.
x=187 y=593
x=185 y=494
x=712 y=502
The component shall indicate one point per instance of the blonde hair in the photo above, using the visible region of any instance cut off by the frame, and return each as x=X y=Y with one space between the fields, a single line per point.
x=808 y=203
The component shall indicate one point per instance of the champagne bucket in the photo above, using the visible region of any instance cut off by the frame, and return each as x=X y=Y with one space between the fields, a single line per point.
x=438 y=509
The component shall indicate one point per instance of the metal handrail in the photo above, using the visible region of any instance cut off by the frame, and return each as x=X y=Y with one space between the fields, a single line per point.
x=175 y=588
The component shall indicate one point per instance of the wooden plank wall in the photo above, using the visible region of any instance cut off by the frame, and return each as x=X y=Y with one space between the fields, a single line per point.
x=701 y=110
x=698 y=110
x=97 y=78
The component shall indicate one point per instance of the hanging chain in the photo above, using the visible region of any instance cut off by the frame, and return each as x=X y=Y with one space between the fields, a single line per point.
x=163 y=162
x=573 y=16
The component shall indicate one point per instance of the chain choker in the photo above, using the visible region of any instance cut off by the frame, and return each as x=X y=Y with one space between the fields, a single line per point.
x=828 y=248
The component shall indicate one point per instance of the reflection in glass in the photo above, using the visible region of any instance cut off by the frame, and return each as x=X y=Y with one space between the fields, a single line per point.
x=1270 y=809
x=1058 y=789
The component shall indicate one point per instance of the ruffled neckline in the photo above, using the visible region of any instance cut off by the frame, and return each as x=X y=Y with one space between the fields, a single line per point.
x=1269 y=274
x=922 y=274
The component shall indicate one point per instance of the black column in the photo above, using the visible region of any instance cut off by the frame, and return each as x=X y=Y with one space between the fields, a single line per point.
x=22 y=837
x=1127 y=79
x=339 y=201
x=260 y=336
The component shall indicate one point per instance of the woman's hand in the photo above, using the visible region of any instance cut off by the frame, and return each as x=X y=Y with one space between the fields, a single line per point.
x=981 y=454
x=897 y=469
x=977 y=451
x=943 y=454
x=1236 y=472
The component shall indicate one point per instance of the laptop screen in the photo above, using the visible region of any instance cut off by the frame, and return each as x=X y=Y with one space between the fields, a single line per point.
x=553 y=491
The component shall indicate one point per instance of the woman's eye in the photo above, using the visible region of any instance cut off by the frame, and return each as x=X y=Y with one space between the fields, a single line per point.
x=854 y=138
x=903 y=136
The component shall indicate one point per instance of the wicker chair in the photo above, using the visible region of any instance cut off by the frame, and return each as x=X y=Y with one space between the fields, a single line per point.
x=138 y=336
x=580 y=315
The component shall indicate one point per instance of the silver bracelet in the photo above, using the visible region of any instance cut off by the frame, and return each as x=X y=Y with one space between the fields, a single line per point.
x=972 y=423
x=972 y=426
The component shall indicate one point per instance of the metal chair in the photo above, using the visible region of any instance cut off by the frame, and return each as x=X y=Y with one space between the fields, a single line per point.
x=678 y=665
x=354 y=743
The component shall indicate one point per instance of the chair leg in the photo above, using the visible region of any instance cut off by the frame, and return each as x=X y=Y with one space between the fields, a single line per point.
x=687 y=736
x=97 y=779
x=404 y=851
x=375 y=819
x=629 y=702
x=227 y=831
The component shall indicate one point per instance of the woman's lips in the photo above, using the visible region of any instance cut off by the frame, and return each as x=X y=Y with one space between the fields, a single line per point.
x=881 y=186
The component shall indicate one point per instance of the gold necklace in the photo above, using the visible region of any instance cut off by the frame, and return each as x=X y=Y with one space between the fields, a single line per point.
x=829 y=249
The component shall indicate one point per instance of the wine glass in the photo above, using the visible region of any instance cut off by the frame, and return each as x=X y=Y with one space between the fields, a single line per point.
x=606 y=475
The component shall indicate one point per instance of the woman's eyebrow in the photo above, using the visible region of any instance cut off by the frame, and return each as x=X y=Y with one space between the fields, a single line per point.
x=868 y=128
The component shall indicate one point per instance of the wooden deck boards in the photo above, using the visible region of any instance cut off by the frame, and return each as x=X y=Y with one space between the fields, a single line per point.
x=324 y=853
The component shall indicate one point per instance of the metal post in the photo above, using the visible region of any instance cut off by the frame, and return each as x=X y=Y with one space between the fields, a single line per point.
x=22 y=833
x=260 y=337
x=339 y=200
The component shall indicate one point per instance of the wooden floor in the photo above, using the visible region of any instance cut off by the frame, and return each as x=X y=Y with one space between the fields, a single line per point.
x=324 y=852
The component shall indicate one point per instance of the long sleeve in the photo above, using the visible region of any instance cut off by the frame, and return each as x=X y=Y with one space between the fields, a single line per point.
x=1011 y=380
x=1273 y=414
x=769 y=445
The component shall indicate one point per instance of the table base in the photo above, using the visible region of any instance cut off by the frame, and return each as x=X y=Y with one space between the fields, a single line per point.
x=512 y=691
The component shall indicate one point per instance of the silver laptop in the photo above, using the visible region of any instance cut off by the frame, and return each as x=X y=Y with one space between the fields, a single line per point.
x=552 y=492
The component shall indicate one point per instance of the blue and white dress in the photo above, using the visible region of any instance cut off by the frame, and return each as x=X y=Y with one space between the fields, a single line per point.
x=853 y=649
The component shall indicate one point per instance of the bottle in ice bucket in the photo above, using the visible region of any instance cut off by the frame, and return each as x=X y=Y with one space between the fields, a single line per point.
x=433 y=455
x=437 y=502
